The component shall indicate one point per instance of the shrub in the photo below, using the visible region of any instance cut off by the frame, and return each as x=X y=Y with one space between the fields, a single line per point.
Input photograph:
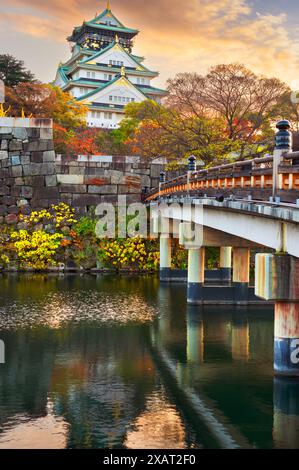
x=36 y=250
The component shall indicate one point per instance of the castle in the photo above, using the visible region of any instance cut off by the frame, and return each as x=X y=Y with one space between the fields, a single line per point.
x=104 y=72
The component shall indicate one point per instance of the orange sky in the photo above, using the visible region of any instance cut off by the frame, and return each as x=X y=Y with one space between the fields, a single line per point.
x=175 y=36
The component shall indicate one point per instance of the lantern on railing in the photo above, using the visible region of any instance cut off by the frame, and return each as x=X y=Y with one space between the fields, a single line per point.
x=192 y=163
x=162 y=177
x=283 y=138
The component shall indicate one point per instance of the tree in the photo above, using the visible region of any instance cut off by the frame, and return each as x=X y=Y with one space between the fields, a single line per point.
x=13 y=71
x=46 y=101
x=162 y=132
x=232 y=92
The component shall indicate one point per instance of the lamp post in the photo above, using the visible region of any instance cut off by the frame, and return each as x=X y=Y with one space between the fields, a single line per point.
x=162 y=180
x=191 y=169
x=283 y=144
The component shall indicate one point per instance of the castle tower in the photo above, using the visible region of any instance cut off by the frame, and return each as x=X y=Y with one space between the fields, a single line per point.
x=104 y=72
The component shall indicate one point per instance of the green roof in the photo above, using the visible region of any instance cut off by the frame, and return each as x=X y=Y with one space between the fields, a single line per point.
x=106 y=85
x=105 y=13
x=101 y=52
x=62 y=71
x=118 y=27
x=150 y=89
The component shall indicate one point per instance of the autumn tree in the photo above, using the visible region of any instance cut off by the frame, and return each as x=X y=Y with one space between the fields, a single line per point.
x=13 y=71
x=244 y=100
x=46 y=101
x=163 y=132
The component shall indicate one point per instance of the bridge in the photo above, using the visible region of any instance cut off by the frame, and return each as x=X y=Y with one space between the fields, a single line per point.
x=240 y=207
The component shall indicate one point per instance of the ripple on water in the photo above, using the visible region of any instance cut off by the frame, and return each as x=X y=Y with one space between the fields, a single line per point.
x=59 y=308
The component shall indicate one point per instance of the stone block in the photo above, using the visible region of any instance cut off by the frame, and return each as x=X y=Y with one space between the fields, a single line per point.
x=15 y=145
x=116 y=176
x=106 y=189
x=39 y=146
x=4 y=144
x=51 y=180
x=86 y=200
x=132 y=160
x=13 y=209
x=11 y=219
x=49 y=156
x=145 y=181
x=36 y=157
x=47 y=193
x=3 y=209
x=17 y=171
x=15 y=191
x=35 y=169
x=25 y=159
x=76 y=170
x=20 y=133
x=9 y=200
x=5 y=130
x=15 y=160
x=73 y=188
x=19 y=181
x=109 y=198
x=3 y=155
x=27 y=192
x=46 y=133
x=70 y=179
x=97 y=181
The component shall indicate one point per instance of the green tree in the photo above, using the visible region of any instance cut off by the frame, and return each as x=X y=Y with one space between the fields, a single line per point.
x=164 y=132
x=13 y=71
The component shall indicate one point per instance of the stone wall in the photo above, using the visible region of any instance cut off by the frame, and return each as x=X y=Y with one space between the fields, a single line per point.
x=33 y=177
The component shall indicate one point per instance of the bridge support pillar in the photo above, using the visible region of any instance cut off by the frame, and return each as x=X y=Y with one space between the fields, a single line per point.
x=226 y=262
x=241 y=264
x=277 y=278
x=196 y=275
x=165 y=258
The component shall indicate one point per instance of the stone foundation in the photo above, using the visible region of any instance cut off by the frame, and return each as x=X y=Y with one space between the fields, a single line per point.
x=32 y=176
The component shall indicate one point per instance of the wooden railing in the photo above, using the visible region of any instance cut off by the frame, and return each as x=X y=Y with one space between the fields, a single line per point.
x=253 y=177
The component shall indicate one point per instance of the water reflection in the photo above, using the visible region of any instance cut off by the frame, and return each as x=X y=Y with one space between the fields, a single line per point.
x=124 y=362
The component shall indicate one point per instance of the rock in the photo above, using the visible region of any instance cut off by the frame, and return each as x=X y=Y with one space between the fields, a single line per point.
x=11 y=219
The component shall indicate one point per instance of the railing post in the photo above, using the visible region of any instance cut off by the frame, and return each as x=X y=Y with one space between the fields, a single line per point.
x=283 y=144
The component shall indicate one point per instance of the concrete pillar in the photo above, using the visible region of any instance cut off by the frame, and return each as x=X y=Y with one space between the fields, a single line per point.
x=196 y=274
x=226 y=262
x=286 y=341
x=241 y=265
x=165 y=258
x=277 y=278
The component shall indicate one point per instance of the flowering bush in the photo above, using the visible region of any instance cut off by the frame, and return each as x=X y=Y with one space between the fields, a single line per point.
x=38 y=249
x=132 y=253
x=58 y=215
x=46 y=237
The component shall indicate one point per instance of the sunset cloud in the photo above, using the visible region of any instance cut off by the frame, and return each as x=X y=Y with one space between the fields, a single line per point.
x=174 y=37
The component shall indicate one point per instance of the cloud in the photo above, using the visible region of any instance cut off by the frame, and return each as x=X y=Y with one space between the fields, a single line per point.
x=174 y=36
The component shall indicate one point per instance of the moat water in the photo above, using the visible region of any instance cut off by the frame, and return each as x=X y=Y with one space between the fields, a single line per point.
x=123 y=362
